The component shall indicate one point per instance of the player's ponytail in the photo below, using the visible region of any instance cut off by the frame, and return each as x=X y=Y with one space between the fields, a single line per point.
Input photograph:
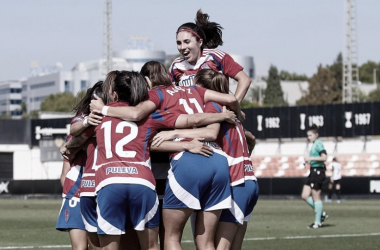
x=212 y=30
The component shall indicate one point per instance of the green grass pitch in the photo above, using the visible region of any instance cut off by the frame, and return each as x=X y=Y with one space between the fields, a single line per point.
x=275 y=224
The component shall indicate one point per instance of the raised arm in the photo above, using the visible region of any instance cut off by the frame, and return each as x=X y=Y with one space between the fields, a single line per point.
x=136 y=113
x=79 y=127
x=244 y=81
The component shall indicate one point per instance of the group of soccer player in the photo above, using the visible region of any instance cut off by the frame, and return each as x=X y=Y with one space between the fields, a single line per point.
x=110 y=199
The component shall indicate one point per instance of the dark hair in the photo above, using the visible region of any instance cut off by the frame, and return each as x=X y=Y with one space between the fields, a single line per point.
x=83 y=106
x=210 y=79
x=156 y=73
x=313 y=128
x=209 y=32
x=335 y=159
x=130 y=87
x=108 y=85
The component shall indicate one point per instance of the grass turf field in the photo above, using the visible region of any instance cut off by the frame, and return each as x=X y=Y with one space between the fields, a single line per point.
x=275 y=224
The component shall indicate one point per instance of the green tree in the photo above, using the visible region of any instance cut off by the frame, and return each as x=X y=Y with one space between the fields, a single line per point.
x=61 y=102
x=323 y=88
x=337 y=68
x=274 y=96
x=374 y=96
x=286 y=76
x=366 y=72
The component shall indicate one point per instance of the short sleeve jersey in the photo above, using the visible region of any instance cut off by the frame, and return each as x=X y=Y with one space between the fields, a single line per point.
x=233 y=142
x=182 y=72
x=316 y=150
x=124 y=148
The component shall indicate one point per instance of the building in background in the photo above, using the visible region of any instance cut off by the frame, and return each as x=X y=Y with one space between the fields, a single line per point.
x=10 y=99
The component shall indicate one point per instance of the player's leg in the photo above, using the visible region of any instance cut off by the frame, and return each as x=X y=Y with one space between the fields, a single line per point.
x=148 y=239
x=109 y=242
x=78 y=239
x=89 y=216
x=225 y=234
x=205 y=228
x=337 y=188
x=174 y=223
x=237 y=243
x=129 y=240
x=306 y=192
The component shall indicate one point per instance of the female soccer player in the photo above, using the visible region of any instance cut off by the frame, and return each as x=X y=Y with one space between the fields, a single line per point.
x=197 y=43
x=244 y=186
x=335 y=179
x=311 y=191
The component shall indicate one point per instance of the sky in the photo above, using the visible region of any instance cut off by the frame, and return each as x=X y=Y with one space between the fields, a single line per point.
x=293 y=35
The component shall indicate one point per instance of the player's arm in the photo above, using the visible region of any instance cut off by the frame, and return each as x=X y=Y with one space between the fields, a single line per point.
x=251 y=140
x=65 y=170
x=78 y=127
x=204 y=119
x=209 y=133
x=195 y=146
x=136 y=113
x=224 y=100
x=243 y=83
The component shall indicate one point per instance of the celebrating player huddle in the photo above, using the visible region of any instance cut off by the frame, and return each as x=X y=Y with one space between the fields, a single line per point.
x=210 y=176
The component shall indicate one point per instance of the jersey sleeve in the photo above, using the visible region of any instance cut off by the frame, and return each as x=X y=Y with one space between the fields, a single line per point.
x=213 y=107
x=231 y=68
x=156 y=96
x=200 y=90
x=76 y=119
x=320 y=148
x=164 y=119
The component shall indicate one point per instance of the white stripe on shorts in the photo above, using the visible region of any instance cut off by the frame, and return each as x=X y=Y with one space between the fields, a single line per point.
x=237 y=213
x=106 y=227
x=187 y=198
x=89 y=228
x=148 y=217
x=224 y=204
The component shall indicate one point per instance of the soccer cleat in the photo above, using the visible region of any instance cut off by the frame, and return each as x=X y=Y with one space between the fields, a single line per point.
x=314 y=226
x=328 y=200
x=324 y=217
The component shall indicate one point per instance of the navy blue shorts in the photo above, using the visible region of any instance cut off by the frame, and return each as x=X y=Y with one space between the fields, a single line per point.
x=89 y=215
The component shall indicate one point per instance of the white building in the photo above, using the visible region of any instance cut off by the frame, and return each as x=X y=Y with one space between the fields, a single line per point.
x=136 y=58
x=10 y=99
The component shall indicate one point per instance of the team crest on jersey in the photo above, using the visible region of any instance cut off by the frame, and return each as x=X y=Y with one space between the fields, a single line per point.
x=66 y=215
x=122 y=170
x=186 y=80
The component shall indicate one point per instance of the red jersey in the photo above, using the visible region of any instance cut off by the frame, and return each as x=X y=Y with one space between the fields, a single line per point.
x=87 y=186
x=124 y=148
x=233 y=142
x=71 y=184
x=182 y=72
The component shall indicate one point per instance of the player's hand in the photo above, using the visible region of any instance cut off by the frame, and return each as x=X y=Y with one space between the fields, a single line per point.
x=241 y=116
x=96 y=105
x=251 y=141
x=197 y=146
x=63 y=150
x=230 y=116
x=162 y=136
x=94 y=118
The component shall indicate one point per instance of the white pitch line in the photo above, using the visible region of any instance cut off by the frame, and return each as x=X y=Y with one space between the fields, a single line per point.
x=246 y=239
